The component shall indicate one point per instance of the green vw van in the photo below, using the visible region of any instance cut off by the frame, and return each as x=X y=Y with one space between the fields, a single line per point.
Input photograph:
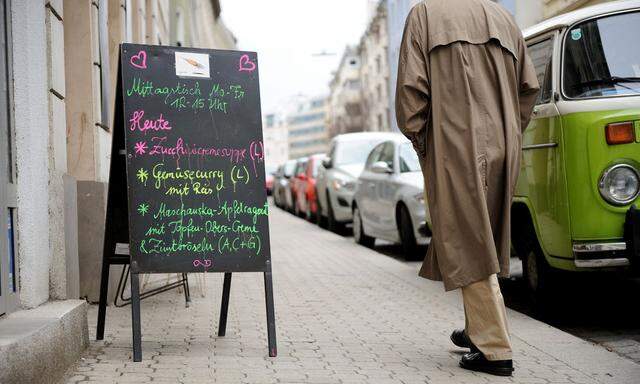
x=580 y=174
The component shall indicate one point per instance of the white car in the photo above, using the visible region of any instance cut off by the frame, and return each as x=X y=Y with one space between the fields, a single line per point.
x=337 y=176
x=389 y=200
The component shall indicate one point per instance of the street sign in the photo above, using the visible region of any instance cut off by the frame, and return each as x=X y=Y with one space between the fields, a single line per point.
x=188 y=133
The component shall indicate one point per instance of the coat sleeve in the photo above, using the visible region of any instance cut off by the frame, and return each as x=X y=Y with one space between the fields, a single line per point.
x=413 y=93
x=528 y=87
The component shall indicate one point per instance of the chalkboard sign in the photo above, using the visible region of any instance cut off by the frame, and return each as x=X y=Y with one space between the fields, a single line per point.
x=188 y=130
x=195 y=160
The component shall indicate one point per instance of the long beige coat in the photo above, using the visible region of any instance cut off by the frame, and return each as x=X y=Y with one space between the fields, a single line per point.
x=466 y=89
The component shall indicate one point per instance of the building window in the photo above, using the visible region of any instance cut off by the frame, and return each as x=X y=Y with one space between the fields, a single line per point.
x=8 y=271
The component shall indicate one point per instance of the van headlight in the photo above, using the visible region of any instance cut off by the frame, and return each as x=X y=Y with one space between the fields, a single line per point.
x=620 y=184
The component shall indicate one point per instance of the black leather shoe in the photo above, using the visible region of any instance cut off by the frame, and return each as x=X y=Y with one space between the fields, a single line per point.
x=476 y=361
x=459 y=337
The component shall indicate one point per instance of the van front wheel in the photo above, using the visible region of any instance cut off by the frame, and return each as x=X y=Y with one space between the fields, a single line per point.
x=539 y=276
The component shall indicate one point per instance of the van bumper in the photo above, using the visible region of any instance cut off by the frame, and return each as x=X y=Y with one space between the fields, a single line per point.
x=612 y=254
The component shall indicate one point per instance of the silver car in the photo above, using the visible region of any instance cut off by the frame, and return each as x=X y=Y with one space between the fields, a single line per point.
x=281 y=191
x=389 y=200
x=337 y=176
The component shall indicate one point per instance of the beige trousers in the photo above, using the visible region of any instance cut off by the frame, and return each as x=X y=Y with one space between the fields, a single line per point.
x=486 y=319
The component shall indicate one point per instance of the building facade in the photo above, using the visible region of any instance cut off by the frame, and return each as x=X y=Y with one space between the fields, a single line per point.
x=345 y=98
x=397 y=11
x=307 y=129
x=374 y=71
x=276 y=139
x=58 y=70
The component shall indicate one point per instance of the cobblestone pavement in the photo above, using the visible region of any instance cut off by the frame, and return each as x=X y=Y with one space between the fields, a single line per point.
x=345 y=314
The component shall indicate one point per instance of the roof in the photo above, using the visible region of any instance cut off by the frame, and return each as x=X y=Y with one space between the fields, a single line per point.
x=570 y=18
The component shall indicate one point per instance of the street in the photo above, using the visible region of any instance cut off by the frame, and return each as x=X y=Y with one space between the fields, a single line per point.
x=344 y=314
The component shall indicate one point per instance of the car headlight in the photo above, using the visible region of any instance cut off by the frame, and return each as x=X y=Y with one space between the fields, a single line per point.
x=620 y=184
x=348 y=185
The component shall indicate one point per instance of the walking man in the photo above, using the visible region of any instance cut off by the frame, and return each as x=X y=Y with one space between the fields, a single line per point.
x=466 y=89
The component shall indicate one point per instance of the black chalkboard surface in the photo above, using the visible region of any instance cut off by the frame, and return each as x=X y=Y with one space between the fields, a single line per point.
x=195 y=160
x=188 y=136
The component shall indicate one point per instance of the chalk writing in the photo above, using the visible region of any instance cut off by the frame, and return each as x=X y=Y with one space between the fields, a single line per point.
x=140 y=60
x=245 y=64
x=159 y=124
x=181 y=149
x=195 y=164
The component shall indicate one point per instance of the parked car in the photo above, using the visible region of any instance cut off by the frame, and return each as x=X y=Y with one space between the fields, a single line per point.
x=296 y=183
x=307 y=198
x=277 y=185
x=337 y=176
x=389 y=200
x=580 y=171
x=269 y=172
x=281 y=191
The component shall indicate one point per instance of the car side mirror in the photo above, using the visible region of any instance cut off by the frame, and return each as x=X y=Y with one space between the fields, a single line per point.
x=381 y=167
x=327 y=163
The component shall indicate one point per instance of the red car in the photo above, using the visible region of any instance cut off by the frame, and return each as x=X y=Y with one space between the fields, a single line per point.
x=306 y=197
x=296 y=183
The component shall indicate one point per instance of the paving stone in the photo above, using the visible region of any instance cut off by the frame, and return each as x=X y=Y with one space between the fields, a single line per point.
x=345 y=314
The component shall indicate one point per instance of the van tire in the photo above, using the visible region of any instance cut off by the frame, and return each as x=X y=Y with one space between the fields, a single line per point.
x=539 y=277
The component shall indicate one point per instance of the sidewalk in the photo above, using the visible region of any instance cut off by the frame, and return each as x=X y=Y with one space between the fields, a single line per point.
x=344 y=314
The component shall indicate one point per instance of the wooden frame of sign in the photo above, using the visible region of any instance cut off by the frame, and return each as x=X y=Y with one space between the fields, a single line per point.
x=187 y=180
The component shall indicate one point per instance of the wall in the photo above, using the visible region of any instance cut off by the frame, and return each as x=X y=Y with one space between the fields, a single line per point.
x=556 y=7
x=31 y=111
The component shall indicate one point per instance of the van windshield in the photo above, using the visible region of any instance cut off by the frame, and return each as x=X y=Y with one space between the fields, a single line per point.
x=602 y=57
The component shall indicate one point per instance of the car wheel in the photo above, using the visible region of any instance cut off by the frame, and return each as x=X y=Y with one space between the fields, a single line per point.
x=539 y=276
x=358 y=230
x=296 y=208
x=308 y=214
x=332 y=224
x=320 y=220
x=407 y=236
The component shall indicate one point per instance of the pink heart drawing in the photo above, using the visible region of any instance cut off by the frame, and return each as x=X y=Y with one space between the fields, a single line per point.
x=246 y=65
x=139 y=60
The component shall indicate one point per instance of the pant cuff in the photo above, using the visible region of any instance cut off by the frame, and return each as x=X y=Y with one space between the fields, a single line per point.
x=498 y=356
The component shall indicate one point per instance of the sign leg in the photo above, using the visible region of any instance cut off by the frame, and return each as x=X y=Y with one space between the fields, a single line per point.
x=102 y=304
x=271 y=317
x=185 y=287
x=135 y=317
x=224 y=308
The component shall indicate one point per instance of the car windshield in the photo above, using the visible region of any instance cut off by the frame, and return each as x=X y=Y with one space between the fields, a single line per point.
x=354 y=152
x=289 y=166
x=602 y=57
x=408 y=158
x=316 y=165
x=270 y=169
